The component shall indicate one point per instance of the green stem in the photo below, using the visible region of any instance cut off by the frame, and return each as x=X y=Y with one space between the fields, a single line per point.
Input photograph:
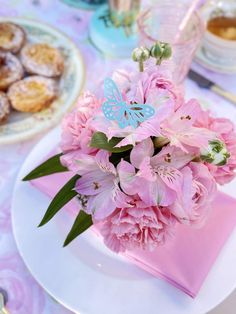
x=159 y=60
x=141 y=66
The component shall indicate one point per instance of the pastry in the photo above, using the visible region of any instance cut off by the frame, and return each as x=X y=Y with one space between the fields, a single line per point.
x=32 y=94
x=11 y=70
x=12 y=37
x=42 y=59
x=4 y=107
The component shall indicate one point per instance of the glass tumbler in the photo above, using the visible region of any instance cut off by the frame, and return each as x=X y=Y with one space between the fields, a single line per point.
x=162 y=22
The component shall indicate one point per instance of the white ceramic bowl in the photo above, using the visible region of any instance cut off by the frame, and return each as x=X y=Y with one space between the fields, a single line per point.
x=215 y=48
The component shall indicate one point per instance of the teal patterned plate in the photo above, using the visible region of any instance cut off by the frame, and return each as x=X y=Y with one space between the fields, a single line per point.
x=22 y=126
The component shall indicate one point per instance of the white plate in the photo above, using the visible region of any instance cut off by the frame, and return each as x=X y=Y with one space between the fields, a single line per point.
x=22 y=126
x=88 y=278
x=203 y=60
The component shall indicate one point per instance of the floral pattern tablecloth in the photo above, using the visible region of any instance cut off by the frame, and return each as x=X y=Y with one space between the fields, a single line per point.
x=25 y=295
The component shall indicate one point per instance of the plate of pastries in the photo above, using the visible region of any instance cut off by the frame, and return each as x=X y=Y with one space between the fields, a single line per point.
x=41 y=77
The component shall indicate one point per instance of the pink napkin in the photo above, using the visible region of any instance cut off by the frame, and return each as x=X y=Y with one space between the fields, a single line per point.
x=185 y=261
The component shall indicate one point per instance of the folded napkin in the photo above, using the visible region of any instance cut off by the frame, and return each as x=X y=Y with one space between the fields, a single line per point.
x=185 y=261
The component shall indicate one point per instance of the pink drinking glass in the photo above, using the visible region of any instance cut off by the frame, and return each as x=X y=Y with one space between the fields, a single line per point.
x=161 y=22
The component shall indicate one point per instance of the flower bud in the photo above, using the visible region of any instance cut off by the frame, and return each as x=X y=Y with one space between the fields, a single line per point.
x=216 y=153
x=160 y=51
x=156 y=50
x=167 y=51
x=140 y=55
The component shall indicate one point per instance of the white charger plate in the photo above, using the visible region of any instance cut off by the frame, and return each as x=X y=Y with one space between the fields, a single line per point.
x=22 y=126
x=88 y=278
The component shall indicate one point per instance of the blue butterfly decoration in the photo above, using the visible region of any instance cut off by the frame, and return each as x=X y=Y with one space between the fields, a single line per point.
x=116 y=109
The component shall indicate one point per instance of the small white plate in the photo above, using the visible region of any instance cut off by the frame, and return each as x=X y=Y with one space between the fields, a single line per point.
x=202 y=59
x=88 y=278
x=22 y=126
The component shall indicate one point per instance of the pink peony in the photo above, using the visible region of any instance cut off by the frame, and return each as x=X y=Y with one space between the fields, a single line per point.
x=198 y=192
x=137 y=226
x=225 y=131
x=77 y=130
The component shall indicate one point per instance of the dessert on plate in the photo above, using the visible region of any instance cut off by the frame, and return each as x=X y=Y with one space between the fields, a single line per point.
x=42 y=59
x=29 y=72
x=32 y=94
x=4 y=107
x=11 y=70
x=12 y=37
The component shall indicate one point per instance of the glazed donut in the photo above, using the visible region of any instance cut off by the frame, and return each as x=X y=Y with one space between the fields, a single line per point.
x=32 y=94
x=42 y=59
x=11 y=70
x=12 y=37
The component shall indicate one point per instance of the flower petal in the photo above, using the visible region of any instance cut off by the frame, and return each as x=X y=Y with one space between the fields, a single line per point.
x=93 y=183
x=172 y=177
x=127 y=177
x=102 y=159
x=140 y=151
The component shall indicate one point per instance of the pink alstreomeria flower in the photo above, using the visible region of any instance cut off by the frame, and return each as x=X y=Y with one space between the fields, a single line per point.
x=137 y=226
x=179 y=128
x=100 y=182
x=145 y=88
x=148 y=87
x=159 y=179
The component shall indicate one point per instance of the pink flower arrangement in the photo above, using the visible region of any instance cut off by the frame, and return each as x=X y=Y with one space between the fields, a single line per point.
x=139 y=183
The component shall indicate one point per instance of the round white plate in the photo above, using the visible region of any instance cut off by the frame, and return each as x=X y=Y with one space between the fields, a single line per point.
x=88 y=278
x=202 y=59
x=22 y=126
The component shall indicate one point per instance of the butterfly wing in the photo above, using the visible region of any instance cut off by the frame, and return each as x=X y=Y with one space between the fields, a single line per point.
x=137 y=113
x=111 y=91
x=113 y=111
x=113 y=108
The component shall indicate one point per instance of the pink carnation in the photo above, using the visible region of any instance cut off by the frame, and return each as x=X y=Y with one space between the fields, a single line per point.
x=137 y=226
x=77 y=130
x=225 y=131
x=198 y=192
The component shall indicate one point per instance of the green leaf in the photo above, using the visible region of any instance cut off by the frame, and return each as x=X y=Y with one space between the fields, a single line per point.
x=99 y=140
x=82 y=223
x=65 y=194
x=50 y=166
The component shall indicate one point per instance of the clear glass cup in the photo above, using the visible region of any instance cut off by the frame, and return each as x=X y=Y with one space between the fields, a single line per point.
x=161 y=22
